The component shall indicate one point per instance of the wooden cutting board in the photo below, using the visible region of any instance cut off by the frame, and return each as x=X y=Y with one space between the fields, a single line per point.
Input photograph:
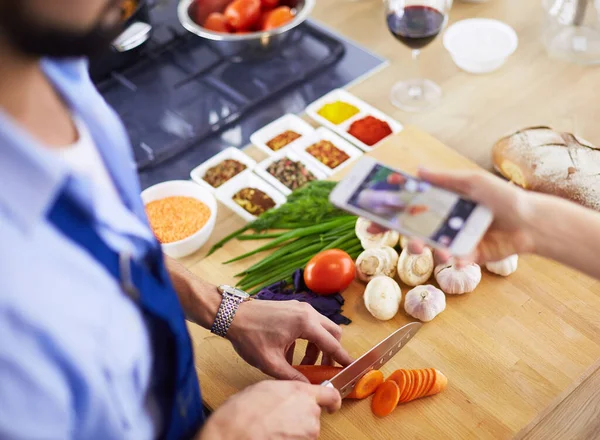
x=512 y=350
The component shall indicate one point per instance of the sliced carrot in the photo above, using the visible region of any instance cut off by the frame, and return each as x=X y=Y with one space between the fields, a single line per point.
x=317 y=374
x=400 y=378
x=409 y=385
x=426 y=383
x=440 y=384
x=386 y=398
x=418 y=378
x=431 y=379
x=366 y=385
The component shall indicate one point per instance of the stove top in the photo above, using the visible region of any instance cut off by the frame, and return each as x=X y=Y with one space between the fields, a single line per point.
x=182 y=103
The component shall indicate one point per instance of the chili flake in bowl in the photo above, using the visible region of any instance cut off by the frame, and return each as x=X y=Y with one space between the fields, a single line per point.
x=328 y=154
x=222 y=172
x=253 y=200
x=283 y=139
x=182 y=215
x=291 y=173
x=370 y=130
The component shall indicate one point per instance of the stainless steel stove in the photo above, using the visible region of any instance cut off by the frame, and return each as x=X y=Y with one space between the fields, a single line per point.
x=182 y=103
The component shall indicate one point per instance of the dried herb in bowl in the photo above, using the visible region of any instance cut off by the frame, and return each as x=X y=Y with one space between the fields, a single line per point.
x=253 y=200
x=293 y=174
x=222 y=172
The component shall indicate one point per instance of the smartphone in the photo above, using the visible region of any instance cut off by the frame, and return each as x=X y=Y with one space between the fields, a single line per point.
x=412 y=207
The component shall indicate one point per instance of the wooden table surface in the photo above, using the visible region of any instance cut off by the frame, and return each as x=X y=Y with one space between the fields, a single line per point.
x=532 y=370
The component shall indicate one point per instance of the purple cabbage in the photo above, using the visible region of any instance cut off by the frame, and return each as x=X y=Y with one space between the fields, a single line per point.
x=329 y=306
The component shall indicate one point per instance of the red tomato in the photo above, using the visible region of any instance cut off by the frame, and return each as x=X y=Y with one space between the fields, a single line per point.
x=243 y=14
x=329 y=272
x=216 y=22
x=269 y=4
x=277 y=17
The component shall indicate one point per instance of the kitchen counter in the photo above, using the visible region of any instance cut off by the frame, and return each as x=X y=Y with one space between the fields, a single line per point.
x=522 y=354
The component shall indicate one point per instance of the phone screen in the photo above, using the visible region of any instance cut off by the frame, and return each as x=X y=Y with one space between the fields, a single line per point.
x=412 y=205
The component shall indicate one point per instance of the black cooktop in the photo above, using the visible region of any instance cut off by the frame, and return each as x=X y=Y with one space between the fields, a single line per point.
x=182 y=102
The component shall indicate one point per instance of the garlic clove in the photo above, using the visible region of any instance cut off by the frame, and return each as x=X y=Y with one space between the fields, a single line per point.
x=382 y=297
x=504 y=267
x=455 y=280
x=403 y=242
x=425 y=302
x=415 y=269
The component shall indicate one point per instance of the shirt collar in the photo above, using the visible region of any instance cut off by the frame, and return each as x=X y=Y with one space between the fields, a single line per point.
x=32 y=176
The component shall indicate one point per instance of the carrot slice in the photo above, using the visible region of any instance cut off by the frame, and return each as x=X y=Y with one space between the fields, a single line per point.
x=418 y=378
x=431 y=381
x=410 y=383
x=424 y=384
x=317 y=374
x=366 y=385
x=401 y=379
x=440 y=384
x=386 y=398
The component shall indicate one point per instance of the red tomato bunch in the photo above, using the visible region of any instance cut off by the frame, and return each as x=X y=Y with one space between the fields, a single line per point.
x=243 y=16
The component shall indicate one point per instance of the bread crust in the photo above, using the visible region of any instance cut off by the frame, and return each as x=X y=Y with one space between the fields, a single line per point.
x=541 y=159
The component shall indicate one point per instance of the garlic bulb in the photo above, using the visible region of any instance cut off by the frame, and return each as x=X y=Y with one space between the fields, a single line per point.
x=369 y=241
x=382 y=297
x=415 y=269
x=374 y=262
x=456 y=281
x=403 y=242
x=425 y=302
x=503 y=267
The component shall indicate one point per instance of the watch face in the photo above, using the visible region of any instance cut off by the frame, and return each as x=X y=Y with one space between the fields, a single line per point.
x=233 y=291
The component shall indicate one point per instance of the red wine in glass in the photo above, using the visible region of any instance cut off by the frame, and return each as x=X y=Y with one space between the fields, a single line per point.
x=417 y=26
x=416 y=23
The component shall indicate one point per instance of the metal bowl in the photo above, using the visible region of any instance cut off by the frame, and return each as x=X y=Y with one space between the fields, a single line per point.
x=244 y=47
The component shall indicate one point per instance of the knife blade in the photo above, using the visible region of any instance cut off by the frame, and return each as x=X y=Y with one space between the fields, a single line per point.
x=376 y=357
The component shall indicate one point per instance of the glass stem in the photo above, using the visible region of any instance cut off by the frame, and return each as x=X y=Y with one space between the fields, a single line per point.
x=415 y=91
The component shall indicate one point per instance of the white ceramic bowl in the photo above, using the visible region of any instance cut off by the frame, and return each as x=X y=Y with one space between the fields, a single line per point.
x=185 y=188
x=480 y=45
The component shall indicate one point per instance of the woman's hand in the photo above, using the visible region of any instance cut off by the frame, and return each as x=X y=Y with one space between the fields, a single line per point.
x=264 y=334
x=509 y=234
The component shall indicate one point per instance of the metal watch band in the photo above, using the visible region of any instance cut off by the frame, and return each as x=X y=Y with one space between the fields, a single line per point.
x=227 y=309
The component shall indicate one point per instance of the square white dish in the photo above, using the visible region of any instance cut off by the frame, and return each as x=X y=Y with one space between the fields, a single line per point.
x=342 y=129
x=278 y=126
x=261 y=169
x=198 y=173
x=323 y=133
x=246 y=179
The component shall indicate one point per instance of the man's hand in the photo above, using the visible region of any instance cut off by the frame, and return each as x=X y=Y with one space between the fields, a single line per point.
x=264 y=334
x=272 y=410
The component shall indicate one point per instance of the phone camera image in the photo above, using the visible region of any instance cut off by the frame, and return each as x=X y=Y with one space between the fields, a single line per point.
x=412 y=205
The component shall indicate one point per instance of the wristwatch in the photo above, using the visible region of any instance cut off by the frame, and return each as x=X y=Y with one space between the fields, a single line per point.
x=232 y=298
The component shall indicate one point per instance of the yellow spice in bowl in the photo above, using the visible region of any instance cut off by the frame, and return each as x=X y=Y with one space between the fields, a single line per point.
x=175 y=218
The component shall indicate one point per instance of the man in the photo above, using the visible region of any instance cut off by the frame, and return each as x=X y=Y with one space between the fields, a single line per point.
x=93 y=343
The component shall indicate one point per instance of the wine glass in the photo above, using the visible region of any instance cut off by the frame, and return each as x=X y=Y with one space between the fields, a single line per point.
x=416 y=23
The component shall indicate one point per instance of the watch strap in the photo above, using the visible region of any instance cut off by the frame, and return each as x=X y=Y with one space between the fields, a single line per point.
x=227 y=310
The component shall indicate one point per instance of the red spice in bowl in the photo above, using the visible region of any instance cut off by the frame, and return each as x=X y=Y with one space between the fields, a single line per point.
x=370 y=130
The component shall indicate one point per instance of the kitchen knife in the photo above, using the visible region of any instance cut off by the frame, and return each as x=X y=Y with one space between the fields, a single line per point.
x=375 y=358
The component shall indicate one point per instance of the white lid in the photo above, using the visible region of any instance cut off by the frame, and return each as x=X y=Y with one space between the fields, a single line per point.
x=480 y=39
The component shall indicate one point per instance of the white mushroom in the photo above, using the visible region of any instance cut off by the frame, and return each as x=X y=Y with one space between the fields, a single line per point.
x=376 y=261
x=415 y=269
x=369 y=240
x=382 y=297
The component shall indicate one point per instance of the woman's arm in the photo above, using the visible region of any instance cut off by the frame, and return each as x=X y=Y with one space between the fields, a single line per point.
x=566 y=232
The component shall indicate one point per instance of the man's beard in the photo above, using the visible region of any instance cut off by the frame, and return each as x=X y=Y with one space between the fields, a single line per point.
x=36 y=39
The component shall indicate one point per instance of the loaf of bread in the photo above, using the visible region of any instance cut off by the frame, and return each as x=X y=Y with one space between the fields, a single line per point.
x=541 y=159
